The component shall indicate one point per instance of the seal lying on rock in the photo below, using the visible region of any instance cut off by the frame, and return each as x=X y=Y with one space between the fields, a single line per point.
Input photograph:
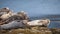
x=41 y=22
x=24 y=23
x=12 y=25
x=9 y=16
x=5 y=13
x=6 y=16
x=20 y=16
x=23 y=14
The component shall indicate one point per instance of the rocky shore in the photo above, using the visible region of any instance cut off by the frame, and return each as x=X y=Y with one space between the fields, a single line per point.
x=19 y=23
x=33 y=30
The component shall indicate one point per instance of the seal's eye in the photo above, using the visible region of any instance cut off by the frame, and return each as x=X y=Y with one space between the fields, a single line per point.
x=41 y=21
x=18 y=21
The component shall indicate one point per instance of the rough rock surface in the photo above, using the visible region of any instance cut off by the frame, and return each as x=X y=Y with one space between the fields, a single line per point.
x=33 y=30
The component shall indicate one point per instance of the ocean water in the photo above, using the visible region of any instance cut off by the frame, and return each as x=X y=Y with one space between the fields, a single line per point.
x=54 y=24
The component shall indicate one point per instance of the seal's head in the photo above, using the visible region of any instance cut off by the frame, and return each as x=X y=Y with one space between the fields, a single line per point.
x=45 y=22
x=22 y=12
x=6 y=8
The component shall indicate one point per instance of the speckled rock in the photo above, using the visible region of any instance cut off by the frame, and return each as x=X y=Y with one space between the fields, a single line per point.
x=38 y=30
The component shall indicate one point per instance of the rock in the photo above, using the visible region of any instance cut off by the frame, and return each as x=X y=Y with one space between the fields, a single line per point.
x=29 y=31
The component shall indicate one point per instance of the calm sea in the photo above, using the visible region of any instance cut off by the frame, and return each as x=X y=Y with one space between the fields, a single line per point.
x=54 y=24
